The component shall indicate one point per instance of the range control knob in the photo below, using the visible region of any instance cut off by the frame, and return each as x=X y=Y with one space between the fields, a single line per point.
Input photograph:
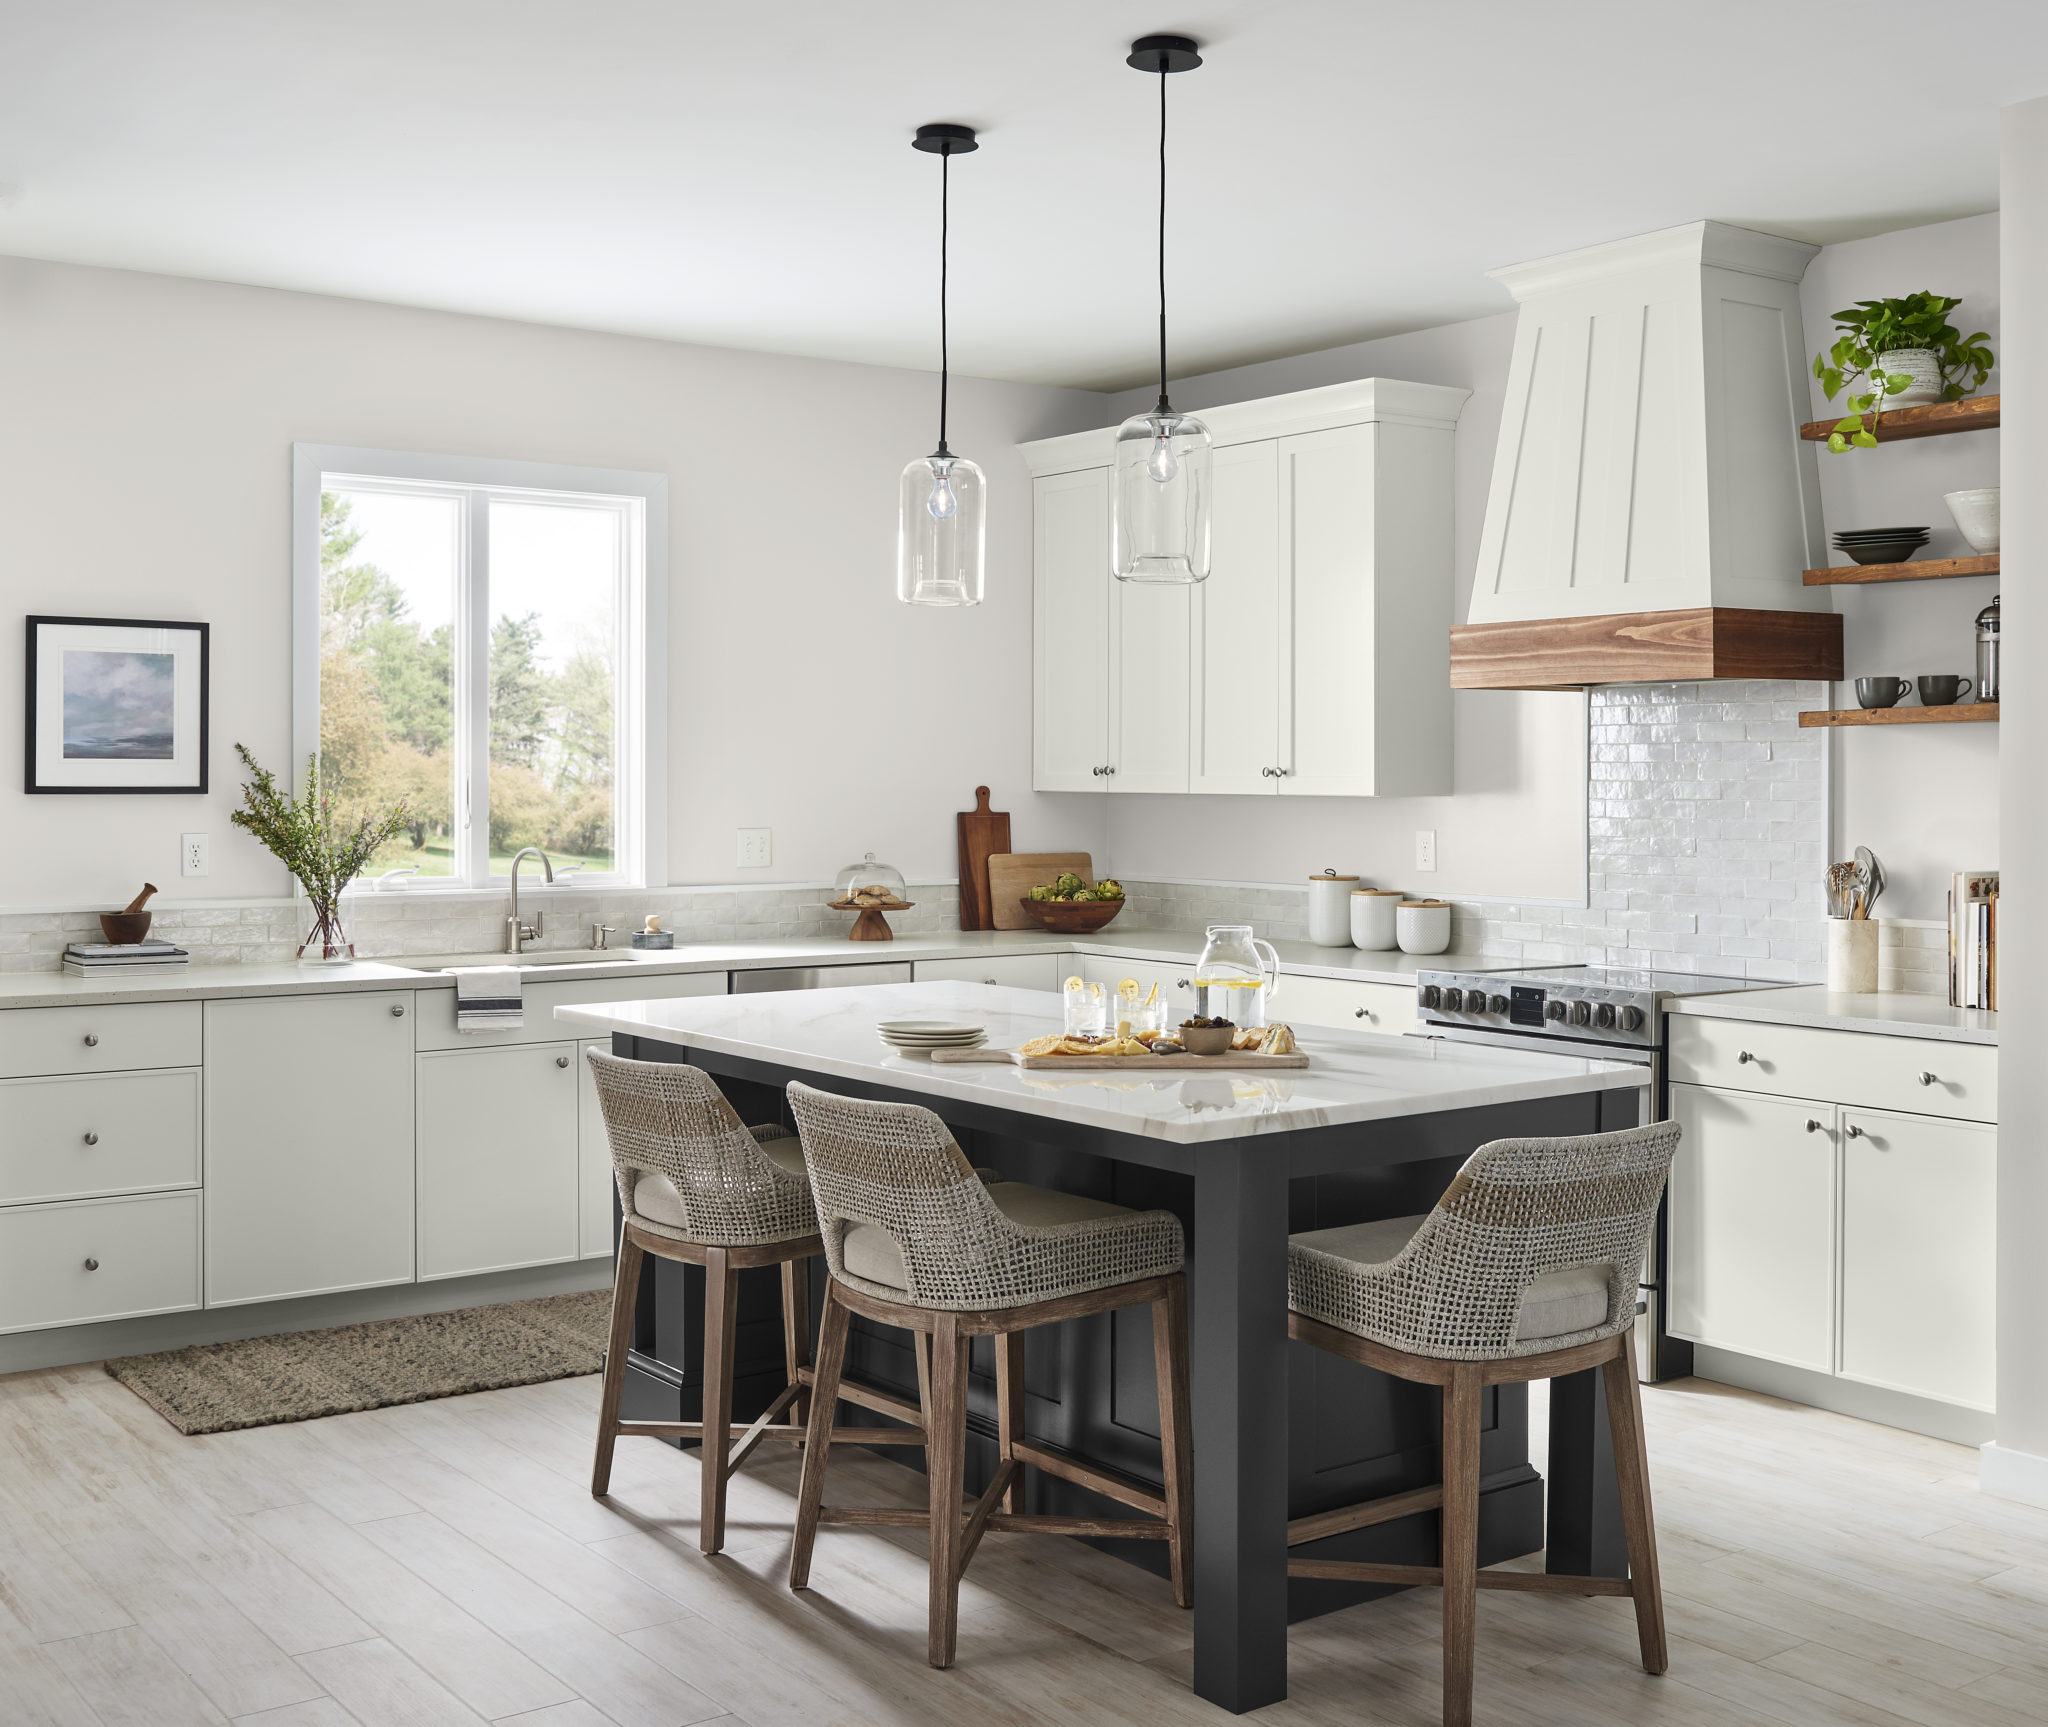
x=1631 y=1019
x=1582 y=1013
x=1553 y=1009
x=1497 y=1004
x=1429 y=996
x=1603 y=1016
x=1454 y=1000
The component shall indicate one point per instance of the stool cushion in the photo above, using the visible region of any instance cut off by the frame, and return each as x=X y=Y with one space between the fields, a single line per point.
x=871 y=1253
x=655 y=1198
x=1573 y=1299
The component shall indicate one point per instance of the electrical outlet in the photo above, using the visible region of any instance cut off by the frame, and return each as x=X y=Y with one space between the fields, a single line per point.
x=1425 y=848
x=755 y=849
x=192 y=854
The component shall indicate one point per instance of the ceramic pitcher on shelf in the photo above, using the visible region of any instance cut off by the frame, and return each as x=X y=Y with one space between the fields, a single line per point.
x=1236 y=976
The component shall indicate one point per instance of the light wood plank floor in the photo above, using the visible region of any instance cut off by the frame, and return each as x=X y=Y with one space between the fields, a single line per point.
x=444 y=1564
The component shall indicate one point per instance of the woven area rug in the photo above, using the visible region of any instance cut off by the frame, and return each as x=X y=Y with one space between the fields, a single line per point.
x=217 y=1387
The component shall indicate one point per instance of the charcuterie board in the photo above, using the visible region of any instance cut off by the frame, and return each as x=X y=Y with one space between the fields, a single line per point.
x=1237 y=1060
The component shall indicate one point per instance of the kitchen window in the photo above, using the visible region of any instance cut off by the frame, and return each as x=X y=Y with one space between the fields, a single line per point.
x=482 y=640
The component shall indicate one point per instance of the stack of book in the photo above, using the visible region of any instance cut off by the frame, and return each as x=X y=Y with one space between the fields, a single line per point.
x=104 y=959
x=1973 y=939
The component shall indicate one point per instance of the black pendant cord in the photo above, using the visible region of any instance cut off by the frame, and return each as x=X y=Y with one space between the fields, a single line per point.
x=1164 y=406
x=945 y=351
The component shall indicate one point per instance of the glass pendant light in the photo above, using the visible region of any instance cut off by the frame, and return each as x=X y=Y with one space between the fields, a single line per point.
x=940 y=542
x=1159 y=509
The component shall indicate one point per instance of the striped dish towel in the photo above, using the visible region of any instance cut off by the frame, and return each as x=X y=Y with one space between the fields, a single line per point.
x=487 y=998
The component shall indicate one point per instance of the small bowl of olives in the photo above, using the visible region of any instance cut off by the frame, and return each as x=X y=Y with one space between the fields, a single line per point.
x=1200 y=1036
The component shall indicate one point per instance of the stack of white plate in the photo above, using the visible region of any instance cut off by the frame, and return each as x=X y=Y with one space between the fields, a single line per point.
x=922 y=1036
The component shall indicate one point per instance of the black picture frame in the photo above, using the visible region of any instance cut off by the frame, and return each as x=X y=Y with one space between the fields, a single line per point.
x=37 y=776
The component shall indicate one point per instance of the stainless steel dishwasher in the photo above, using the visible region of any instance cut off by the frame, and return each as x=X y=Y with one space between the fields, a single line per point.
x=816 y=977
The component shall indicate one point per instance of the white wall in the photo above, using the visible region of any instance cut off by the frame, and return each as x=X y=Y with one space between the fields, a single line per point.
x=1515 y=827
x=146 y=425
x=2018 y=1464
x=1924 y=798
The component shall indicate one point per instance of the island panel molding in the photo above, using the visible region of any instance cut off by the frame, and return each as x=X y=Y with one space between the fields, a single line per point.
x=116 y=705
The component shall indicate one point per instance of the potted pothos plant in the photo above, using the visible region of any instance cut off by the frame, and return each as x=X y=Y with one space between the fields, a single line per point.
x=324 y=849
x=1897 y=354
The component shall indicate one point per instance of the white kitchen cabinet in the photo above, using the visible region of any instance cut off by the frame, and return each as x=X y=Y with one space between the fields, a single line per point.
x=498 y=1183
x=309 y=1144
x=1385 y=1008
x=1012 y=971
x=626 y=982
x=1752 y=1218
x=73 y=1136
x=1921 y=1076
x=595 y=1189
x=99 y=1259
x=1314 y=661
x=1072 y=617
x=1176 y=982
x=1919 y=1255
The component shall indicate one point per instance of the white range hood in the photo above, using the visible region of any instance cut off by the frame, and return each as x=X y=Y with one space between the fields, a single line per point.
x=1652 y=505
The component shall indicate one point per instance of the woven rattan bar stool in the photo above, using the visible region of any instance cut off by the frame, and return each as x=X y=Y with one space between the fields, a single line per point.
x=914 y=1238
x=1526 y=1269
x=695 y=1185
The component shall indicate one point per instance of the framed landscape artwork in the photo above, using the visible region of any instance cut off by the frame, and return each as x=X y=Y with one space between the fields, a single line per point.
x=116 y=705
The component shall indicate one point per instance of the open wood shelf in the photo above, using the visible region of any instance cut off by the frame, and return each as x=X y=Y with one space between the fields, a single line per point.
x=1977 y=414
x=1920 y=570
x=1961 y=713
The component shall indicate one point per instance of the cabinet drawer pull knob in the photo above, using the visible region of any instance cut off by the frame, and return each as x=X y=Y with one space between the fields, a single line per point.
x=397 y=1010
x=1927 y=1079
x=92 y=1040
x=92 y=1265
x=1855 y=1132
x=1181 y=983
x=561 y=1061
x=1812 y=1126
x=988 y=980
x=1743 y=1058
x=91 y=1138
x=1366 y=1013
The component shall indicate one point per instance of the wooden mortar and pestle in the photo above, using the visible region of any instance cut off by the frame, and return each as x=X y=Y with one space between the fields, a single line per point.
x=123 y=928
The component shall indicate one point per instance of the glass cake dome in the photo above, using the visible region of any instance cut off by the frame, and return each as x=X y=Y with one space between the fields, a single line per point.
x=871 y=883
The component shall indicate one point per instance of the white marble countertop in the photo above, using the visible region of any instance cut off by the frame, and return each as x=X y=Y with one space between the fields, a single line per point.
x=1354 y=1076
x=1890 y=1014
x=202 y=982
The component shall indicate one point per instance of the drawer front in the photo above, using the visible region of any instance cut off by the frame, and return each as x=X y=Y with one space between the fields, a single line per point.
x=35 y=1040
x=75 y=1136
x=1045 y=971
x=1388 y=1008
x=100 y=1259
x=436 y=1007
x=1176 y=982
x=1959 y=1080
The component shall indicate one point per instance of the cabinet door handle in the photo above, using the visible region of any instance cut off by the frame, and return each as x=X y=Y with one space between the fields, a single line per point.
x=561 y=1061
x=397 y=1011
x=1743 y=1058
x=1812 y=1126
x=1927 y=1079
x=91 y=1138
x=1366 y=1013
x=92 y=1040
x=92 y=1265
x=1855 y=1132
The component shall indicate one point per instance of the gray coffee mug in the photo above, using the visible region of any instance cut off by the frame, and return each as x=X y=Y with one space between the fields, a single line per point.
x=1941 y=692
x=1880 y=692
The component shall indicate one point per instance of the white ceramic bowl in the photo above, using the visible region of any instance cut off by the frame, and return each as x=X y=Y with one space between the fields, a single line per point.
x=1976 y=513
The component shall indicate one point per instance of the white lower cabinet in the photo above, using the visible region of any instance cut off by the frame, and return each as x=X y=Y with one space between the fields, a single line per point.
x=99 y=1259
x=1919 y=1255
x=73 y=1136
x=309 y=1145
x=1752 y=1258
x=1013 y=971
x=595 y=1189
x=498 y=1159
x=1176 y=982
x=1387 y=1008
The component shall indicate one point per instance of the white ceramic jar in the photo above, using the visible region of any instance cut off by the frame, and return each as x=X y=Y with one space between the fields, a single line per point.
x=1329 y=908
x=1976 y=514
x=1423 y=925
x=1372 y=918
x=1852 y=955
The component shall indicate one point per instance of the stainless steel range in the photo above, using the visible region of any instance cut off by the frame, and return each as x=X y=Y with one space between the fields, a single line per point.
x=1615 y=1013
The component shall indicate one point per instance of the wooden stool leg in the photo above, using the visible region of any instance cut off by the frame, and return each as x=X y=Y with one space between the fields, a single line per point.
x=810 y=1493
x=721 y=1291
x=1010 y=1409
x=1170 y=1361
x=625 y=1293
x=796 y=1330
x=1632 y=1470
x=946 y=1461
x=1460 y=1550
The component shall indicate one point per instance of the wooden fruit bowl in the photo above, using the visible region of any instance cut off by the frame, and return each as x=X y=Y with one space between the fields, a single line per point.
x=1069 y=916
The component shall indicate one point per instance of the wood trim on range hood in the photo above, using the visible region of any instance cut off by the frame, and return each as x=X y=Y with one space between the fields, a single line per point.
x=1646 y=648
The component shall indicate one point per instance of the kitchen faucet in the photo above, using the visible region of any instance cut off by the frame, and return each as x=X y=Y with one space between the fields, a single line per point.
x=517 y=933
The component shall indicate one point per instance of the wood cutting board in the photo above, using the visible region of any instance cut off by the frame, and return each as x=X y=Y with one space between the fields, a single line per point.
x=982 y=831
x=1159 y=1064
x=1012 y=876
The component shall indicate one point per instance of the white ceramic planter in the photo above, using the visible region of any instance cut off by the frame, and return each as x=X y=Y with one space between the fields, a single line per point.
x=1923 y=366
x=1423 y=925
x=1329 y=908
x=1372 y=919
x=1852 y=955
x=1976 y=514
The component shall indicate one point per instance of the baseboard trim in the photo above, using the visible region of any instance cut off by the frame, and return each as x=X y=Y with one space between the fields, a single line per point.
x=1937 y=1420
x=2017 y=1475
x=66 y=1346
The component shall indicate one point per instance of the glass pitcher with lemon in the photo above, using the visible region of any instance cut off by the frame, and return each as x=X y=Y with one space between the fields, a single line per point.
x=1236 y=976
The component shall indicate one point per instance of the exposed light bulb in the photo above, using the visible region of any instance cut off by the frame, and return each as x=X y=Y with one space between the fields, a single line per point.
x=942 y=503
x=1162 y=464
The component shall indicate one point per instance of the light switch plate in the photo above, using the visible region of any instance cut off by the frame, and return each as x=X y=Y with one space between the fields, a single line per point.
x=1425 y=848
x=755 y=847
x=192 y=854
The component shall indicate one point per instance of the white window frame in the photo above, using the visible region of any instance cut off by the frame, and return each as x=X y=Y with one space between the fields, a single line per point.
x=640 y=773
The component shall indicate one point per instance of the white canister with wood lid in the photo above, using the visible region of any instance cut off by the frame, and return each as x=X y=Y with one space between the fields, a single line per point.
x=1329 y=908
x=1372 y=918
x=1423 y=925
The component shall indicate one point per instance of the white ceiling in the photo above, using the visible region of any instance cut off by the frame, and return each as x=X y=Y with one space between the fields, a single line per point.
x=739 y=172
